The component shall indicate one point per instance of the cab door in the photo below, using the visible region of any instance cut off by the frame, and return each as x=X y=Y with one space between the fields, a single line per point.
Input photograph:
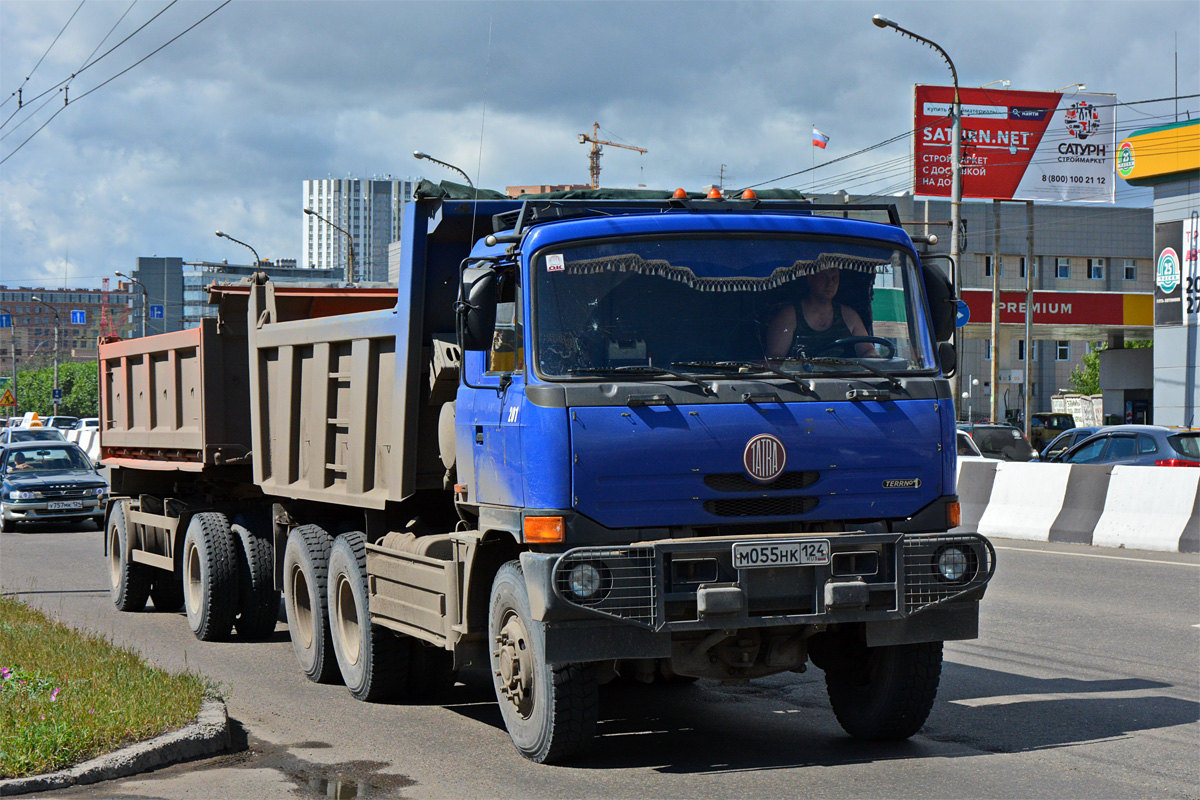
x=499 y=399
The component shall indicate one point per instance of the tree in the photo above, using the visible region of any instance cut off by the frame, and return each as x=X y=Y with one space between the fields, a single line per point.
x=80 y=384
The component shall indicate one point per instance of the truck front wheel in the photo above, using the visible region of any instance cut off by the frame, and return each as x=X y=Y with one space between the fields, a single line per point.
x=210 y=585
x=890 y=692
x=373 y=660
x=129 y=582
x=550 y=711
x=305 y=578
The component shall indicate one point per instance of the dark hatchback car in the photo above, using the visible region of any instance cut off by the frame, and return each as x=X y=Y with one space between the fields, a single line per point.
x=1003 y=442
x=1144 y=445
x=49 y=482
x=1065 y=441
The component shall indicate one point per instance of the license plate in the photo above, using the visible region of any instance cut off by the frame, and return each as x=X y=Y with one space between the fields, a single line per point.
x=62 y=505
x=748 y=555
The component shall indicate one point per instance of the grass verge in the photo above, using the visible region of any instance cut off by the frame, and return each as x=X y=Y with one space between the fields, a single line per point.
x=67 y=696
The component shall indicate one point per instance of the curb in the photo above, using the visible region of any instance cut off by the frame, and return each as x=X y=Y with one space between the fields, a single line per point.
x=208 y=735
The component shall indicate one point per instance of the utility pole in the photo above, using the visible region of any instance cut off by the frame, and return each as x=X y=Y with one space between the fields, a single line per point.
x=57 y=326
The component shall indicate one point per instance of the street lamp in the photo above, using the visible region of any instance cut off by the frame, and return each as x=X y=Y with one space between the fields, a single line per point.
x=349 y=238
x=13 y=353
x=955 y=162
x=56 y=333
x=243 y=244
x=1078 y=87
x=145 y=297
x=419 y=155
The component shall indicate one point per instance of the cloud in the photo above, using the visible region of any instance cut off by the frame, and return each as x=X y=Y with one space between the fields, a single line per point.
x=219 y=129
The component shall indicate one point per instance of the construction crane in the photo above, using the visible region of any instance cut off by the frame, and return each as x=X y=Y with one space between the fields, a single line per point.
x=595 y=153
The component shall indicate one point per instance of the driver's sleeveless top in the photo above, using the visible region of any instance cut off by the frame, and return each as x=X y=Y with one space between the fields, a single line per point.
x=807 y=341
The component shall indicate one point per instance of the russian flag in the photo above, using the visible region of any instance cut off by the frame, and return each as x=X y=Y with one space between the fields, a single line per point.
x=819 y=139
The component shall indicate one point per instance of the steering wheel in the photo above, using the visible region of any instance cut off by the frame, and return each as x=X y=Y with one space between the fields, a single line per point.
x=846 y=342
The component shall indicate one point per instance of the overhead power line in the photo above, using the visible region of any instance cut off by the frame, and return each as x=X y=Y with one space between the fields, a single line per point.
x=114 y=77
x=43 y=58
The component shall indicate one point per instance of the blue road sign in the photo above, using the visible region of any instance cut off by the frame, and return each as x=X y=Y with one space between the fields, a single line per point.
x=5 y=320
x=57 y=395
x=156 y=312
x=78 y=317
x=963 y=315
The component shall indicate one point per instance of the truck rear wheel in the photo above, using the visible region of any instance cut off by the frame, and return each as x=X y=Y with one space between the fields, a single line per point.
x=373 y=660
x=210 y=585
x=305 y=598
x=258 y=599
x=129 y=581
x=891 y=694
x=167 y=592
x=550 y=711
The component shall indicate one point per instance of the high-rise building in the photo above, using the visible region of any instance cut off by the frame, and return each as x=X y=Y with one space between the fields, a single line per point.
x=368 y=209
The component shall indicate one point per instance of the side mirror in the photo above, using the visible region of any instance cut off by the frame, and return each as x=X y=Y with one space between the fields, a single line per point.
x=477 y=317
x=948 y=358
x=943 y=305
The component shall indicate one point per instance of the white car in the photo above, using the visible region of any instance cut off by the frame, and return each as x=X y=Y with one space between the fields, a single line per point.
x=967 y=447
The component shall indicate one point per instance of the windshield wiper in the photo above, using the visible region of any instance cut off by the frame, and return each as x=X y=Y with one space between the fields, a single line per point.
x=892 y=380
x=643 y=369
x=747 y=366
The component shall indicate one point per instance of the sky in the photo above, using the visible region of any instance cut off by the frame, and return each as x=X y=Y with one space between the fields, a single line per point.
x=217 y=130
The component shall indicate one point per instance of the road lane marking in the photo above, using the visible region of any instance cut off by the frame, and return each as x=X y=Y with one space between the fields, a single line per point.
x=1010 y=699
x=1097 y=555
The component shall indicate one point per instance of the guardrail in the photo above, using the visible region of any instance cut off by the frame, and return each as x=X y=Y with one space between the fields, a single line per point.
x=1147 y=508
x=88 y=441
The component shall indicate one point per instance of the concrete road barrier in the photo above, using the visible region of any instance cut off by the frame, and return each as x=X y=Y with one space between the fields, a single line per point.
x=1148 y=508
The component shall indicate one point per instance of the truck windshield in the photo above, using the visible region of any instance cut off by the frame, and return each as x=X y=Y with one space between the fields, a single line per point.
x=801 y=305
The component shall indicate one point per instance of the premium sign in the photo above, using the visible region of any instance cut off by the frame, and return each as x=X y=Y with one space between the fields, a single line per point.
x=1017 y=145
x=1063 y=308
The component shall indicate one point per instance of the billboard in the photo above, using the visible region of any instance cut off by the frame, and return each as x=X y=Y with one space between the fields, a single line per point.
x=1017 y=145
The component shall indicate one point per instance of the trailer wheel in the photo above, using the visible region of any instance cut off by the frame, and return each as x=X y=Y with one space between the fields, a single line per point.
x=167 y=592
x=305 y=598
x=210 y=585
x=129 y=582
x=373 y=660
x=550 y=711
x=891 y=695
x=258 y=599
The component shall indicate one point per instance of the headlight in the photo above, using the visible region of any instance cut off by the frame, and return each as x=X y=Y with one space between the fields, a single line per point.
x=17 y=495
x=99 y=491
x=584 y=580
x=953 y=564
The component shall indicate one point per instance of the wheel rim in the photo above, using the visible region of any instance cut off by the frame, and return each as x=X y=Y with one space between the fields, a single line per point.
x=514 y=661
x=301 y=608
x=114 y=557
x=193 y=586
x=347 y=618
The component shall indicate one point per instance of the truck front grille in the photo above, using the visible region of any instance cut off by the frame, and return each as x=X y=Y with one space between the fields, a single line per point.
x=735 y=482
x=760 y=506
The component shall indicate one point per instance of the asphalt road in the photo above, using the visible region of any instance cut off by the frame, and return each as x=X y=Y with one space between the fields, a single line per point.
x=1084 y=683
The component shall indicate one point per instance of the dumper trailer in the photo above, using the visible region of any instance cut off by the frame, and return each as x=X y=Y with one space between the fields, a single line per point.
x=609 y=438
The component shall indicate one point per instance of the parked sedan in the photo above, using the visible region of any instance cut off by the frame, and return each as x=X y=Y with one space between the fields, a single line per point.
x=1065 y=441
x=14 y=435
x=49 y=482
x=1003 y=442
x=1146 y=445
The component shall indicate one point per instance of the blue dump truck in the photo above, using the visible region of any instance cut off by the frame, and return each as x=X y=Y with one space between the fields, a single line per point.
x=649 y=436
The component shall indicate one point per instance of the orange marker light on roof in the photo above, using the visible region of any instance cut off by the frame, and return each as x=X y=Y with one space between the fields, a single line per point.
x=749 y=195
x=544 y=529
x=679 y=193
x=714 y=193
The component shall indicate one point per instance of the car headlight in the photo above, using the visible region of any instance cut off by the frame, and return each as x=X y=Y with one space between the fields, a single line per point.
x=99 y=491
x=953 y=564
x=19 y=495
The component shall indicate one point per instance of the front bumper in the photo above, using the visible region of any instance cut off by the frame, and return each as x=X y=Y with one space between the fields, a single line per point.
x=40 y=511
x=688 y=585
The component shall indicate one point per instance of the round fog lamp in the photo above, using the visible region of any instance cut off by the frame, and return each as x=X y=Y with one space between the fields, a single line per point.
x=584 y=580
x=952 y=563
